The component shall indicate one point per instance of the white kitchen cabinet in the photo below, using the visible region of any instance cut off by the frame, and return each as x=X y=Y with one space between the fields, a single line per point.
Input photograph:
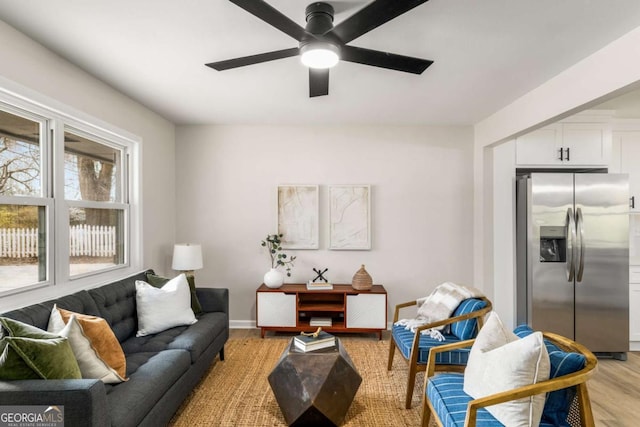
x=634 y=307
x=565 y=145
x=634 y=312
x=628 y=147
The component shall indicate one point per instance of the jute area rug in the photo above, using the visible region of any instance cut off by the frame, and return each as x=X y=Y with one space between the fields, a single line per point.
x=236 y=392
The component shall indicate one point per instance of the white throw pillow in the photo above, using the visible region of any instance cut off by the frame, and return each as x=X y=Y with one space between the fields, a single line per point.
x=90 y=363
x=501 y=361
x=162 y=308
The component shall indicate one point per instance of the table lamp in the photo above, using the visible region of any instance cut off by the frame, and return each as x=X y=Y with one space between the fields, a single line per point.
x=186 y=258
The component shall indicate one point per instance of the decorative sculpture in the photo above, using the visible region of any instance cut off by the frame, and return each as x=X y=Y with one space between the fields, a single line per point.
x=320 y=275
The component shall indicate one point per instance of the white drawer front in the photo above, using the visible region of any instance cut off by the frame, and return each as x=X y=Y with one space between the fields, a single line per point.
x=276 y=309
x=367 y=311
x=634 y=274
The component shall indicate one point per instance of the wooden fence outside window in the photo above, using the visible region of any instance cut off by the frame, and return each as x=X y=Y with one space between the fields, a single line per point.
x=84 y=240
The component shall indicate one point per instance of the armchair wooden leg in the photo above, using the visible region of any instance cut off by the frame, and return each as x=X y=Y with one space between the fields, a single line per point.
x=426 y=412
x=411 y=382
x=392 y=350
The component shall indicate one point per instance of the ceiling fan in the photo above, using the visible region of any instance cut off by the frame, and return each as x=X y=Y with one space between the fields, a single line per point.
x=321 y=45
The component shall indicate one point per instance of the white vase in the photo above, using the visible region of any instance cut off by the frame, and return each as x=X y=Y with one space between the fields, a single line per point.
x=273 y=278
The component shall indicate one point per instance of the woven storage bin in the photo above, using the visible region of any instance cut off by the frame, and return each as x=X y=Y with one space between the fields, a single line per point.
x=362 y=280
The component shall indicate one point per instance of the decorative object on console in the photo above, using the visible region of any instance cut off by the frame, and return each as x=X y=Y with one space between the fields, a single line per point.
x=320 y=275
x=186 y=258
x=350 y=217
x=318 y=286
x=298 y=216
x=314 y=341
x=274 y=278
x=362 y=281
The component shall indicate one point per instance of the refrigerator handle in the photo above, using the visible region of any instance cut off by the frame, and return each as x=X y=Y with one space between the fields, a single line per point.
x=580 y=244
x=571 y=239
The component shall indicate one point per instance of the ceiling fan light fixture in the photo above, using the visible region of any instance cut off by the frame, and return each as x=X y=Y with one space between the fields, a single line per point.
x=319 y=55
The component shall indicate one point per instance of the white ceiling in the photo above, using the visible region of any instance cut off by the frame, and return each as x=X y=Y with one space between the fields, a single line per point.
x=487 y=53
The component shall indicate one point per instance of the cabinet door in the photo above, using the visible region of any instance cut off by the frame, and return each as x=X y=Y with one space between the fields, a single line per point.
x=589 y=144
x=629 y=146
x=634 y=312
x=276 y=309
x=367 y=311
x=540 y=147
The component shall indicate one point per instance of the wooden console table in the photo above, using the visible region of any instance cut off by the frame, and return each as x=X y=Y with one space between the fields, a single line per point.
x=291 y=307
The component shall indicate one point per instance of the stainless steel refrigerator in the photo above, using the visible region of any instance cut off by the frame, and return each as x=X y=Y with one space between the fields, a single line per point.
x=572 y=256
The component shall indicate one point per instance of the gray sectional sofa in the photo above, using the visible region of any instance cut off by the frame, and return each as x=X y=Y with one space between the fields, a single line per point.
x=162 y=368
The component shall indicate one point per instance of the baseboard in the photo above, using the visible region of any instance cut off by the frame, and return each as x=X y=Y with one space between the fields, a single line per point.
x=634 y=346
x=242 y=324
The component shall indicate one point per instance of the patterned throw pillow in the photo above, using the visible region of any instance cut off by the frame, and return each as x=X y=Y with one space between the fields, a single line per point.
x=467 y=329
x=27 y=352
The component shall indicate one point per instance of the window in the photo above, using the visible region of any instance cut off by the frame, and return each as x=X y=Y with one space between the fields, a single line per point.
x=64 y=198
x=93 y=191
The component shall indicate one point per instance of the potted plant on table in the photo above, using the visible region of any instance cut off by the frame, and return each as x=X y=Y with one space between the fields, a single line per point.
x=274 y=278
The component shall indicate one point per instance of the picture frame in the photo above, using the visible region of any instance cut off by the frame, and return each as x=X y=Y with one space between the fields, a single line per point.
x=298 y=212
x=350 y=217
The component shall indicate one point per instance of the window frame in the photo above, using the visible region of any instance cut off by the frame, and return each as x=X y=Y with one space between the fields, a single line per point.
x=54 y=121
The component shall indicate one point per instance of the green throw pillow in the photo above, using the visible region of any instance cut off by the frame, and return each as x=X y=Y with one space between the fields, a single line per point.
x=27 y=352
x=158 y=282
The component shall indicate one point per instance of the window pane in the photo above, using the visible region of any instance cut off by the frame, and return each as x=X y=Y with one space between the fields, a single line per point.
x=19 y=156
x=22 y=246
x=90 y=170
x=96 y=239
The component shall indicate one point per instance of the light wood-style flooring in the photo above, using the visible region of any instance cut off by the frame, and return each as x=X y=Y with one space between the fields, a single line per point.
x=614 y=389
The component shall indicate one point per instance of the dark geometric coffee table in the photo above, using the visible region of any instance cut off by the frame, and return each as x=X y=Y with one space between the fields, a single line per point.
x=314 y=388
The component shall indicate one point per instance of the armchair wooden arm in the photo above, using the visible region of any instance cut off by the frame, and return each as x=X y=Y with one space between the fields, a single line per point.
x=578 y=379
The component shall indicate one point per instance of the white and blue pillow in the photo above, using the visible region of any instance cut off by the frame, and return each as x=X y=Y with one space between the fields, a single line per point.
x=558 y=403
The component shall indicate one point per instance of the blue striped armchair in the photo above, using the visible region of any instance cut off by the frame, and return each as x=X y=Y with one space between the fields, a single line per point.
x=414 y=347
x=567 y=399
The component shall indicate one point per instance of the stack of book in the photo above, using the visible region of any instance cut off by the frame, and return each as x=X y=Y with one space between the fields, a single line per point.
x=308 y=343
x=320 y=321
x=317 y=286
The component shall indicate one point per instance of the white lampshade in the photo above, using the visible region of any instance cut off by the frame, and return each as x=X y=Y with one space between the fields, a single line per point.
x=187 y=257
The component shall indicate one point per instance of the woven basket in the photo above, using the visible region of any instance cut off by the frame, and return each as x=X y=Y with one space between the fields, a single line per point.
x=362 y=281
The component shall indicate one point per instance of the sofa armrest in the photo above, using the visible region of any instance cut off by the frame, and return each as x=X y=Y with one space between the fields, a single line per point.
x=84 y=401
x=213 y=299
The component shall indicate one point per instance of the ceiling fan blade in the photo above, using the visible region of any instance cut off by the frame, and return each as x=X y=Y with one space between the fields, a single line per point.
x=372 y=16
x=318 y=82
x=271 y=16
x=253 y=59
x=388 y=60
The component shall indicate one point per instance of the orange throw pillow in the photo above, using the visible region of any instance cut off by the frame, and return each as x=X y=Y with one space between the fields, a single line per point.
x=102 y=338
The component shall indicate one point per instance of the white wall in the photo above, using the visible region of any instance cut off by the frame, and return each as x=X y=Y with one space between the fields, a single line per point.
x=422 y=188
x=35 y=72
